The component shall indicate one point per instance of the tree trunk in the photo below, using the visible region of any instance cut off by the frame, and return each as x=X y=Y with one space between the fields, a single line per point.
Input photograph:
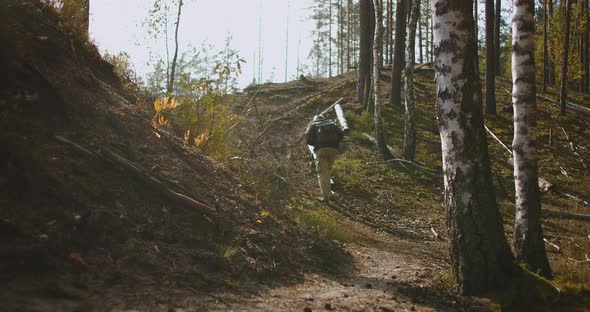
x=490 y=59
x=566 y=44
x=545 y=51
x=330 y=39
x=528 y=234
x=419 y=37
x=170 y=86
x=409 y=151
x=378 y=42
x=348 y=32
x=398 y=53
x=497 y=22
x=552 y=78
x=586 y=49
x=480 y=256
x=476 y=17
x=388 y=22
x=365 y=49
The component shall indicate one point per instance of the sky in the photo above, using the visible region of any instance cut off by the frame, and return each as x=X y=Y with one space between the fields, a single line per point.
x=117 y=26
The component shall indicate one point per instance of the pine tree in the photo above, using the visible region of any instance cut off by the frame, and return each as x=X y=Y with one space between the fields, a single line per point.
x=398 y=53
x=364 y=80
x=490 y=59
x=409 y=149
x=377 y=48
x=566 y=43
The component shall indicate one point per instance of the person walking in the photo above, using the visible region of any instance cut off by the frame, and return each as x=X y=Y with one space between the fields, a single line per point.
x=325 y=136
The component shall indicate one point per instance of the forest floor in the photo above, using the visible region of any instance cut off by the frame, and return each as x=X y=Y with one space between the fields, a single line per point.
x=80 y=232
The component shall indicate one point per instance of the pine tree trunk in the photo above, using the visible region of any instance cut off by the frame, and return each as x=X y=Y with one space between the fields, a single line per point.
x=330 y=39
x=497 y=51
x=348 y=32
x=378 y=42
x=552 y=78
x=365 y=49
x=476 y=17
x=170 y=86
x=528 y=234
x=388 y=23
x=566 y=44
x=545 y=51
x=490 y=59
x=395 y=97
x=409 y=148
x=480 y=256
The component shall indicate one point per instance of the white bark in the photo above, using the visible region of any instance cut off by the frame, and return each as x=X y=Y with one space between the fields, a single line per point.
x=528 y=233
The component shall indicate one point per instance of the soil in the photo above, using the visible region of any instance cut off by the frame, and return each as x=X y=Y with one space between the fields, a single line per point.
x=79 y=233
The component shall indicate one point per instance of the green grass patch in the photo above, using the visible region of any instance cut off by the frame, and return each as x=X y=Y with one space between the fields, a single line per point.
x=320 y=219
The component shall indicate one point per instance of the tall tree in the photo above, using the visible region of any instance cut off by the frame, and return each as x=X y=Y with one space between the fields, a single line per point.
x=170 y=85
x=388 y=22
x=490 y=59
x=348 y=33
x=528 y=234
x=364 y=80
x=409 y=151
x=377 y=48
x=566 y=44
x=545 y=48
x=395 y=97
x=480 y=256
x=497 y=51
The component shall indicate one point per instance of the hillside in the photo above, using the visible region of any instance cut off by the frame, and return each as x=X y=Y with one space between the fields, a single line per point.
x=84 y=226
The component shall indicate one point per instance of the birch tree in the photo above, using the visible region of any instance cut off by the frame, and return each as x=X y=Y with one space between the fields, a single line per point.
x=480 y=256
x=377 y=50
x=409 y=151
x=528 y=234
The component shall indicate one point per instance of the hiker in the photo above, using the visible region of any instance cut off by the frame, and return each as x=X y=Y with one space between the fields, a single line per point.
x=325 y=136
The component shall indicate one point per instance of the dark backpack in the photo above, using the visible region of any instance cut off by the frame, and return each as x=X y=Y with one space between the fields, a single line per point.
x=327 y=133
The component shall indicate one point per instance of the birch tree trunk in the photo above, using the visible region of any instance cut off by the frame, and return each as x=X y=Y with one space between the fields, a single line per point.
x=409 y=151
x=490 y=59
x=566 y=44
x=528 y=234
x=378 y=42
x=480 y=256
x=395 y=97
x=170 y=86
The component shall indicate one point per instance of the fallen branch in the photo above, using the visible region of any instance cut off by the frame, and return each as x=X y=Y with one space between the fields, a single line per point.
x=498 y=139
x=562 y=214
x=571 y=106
x=436 y=236
x=142 y=175
x=552 y=244
x=401 y=160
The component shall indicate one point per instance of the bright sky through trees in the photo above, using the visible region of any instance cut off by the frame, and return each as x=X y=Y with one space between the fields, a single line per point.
x=117 y=25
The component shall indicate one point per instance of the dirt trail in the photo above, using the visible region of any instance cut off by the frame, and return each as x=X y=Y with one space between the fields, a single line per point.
x=393 y=272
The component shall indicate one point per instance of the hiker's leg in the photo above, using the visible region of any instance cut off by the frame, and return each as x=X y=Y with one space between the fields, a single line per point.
x=324 y=170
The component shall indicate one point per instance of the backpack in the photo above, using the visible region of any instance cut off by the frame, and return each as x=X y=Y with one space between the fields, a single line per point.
x=327 y=133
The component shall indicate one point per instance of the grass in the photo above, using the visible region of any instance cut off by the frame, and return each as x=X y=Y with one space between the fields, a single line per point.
x=320 y=219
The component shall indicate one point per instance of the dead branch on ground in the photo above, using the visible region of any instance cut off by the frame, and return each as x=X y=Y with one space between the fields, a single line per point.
x=141 y=174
